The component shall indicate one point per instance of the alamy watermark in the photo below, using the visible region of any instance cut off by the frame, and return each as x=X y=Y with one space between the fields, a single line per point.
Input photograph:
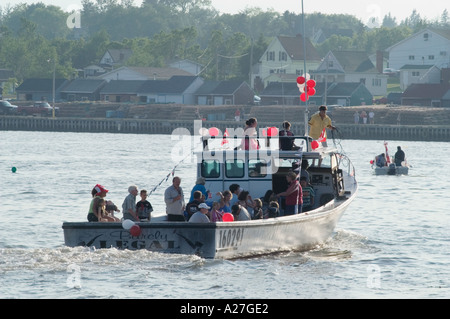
x=73 y=276
x=373 y=277
x=74 y=19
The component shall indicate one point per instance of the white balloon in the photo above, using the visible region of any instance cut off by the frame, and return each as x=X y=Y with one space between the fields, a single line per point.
x=127 y=224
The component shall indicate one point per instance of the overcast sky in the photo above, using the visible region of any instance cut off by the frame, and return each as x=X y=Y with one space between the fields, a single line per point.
x=364 y=10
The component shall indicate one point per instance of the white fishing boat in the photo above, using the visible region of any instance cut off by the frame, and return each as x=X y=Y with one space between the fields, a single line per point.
x=331 y=175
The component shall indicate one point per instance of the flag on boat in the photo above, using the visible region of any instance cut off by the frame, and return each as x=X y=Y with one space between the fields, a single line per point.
x=224 y=139
x=388 y=160
x=322 y=137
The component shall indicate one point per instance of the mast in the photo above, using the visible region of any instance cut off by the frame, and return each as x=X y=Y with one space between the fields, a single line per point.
x=304 y=70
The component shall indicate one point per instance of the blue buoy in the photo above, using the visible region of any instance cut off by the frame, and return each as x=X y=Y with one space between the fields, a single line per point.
x=13 y=169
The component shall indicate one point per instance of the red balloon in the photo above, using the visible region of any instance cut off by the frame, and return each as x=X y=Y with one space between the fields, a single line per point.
x=371 y=162
x=213 y=131
x=301 y=80
x=264 y=131
x=314 y=145
x=311 y=91
x=135 y=230
x=272 y=131
x=311 y=83
x=303 y=97
x=227 y=217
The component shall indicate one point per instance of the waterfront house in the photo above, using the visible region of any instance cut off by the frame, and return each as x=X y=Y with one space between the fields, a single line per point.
x=345 y=94
x=188 y=66
x=37 y=89
x=420 y=94
x=351 y=67
x=114 y=57
x=121 y=91
x=178 y=89
x=143 y=73
x=349 y=94
x=430 y=46
x=416 y=74
x=82 y=90
x=225 y=93
x=284 y=56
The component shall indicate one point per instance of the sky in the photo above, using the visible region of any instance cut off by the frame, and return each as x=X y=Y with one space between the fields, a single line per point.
x=367 y=11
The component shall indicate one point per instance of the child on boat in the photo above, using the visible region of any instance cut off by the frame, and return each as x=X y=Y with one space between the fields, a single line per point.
x=102 y=213
x=308 y=194
x=143 y=207
x=216 y=213
x=257 y=209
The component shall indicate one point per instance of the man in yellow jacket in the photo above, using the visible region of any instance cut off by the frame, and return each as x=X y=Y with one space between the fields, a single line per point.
x=318 y=123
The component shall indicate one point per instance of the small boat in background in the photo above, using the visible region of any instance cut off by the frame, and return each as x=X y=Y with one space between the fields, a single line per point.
x=383 y=164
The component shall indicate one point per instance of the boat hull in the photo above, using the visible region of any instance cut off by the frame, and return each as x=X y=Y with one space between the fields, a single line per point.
x=395 y=170
x=214 y=240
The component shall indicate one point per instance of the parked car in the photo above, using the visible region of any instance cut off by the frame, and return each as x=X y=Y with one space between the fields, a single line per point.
x=381 y=100
x=41 y=107
x=391 y=72
x=8 y=108
x=395 y=98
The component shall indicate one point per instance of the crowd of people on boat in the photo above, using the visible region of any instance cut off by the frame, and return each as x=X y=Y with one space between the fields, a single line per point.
x=101 y=210
x=296 y=199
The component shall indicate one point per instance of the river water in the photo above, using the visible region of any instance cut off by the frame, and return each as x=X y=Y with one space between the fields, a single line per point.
x=392 y=242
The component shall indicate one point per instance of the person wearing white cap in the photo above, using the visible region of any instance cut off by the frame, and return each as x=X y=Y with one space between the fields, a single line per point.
x=200 y=216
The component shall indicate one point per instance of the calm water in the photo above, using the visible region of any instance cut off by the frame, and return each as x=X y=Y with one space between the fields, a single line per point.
x=393 y=241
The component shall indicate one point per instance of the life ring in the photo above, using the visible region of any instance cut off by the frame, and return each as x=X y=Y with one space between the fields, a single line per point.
x=362 y=130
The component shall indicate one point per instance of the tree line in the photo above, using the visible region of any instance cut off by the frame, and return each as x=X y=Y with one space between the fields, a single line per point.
x=36 y=38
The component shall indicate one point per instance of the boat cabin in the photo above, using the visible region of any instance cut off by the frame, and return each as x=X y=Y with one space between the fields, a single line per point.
x=258 y=171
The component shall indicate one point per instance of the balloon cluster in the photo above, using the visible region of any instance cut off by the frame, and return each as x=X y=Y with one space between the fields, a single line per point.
x=134 y=229
x=306 y=87
x=270 y=131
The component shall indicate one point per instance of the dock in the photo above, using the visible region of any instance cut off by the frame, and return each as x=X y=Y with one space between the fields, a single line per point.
x=440 y=133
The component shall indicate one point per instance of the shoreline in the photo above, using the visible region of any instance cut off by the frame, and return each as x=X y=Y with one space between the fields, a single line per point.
x=437 y=133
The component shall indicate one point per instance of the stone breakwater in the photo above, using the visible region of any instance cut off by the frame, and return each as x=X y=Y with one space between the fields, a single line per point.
x=162 y=126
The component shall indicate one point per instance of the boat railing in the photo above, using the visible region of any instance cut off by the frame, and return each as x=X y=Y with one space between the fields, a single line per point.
x=264 y=142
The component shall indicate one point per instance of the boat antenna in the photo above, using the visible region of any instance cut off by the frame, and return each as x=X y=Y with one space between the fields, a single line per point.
x=304 y=68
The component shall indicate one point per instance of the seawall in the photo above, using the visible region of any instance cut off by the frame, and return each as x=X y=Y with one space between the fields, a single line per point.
x=439 y=133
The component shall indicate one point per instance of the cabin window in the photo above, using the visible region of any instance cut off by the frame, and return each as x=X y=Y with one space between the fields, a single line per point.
x=326 y=161
x=257 y=168
x=234 y=168
x=210 y=169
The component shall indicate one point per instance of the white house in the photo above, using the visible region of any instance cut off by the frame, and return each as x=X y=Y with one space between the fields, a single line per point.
x=419 y=74
x=178 y=90
x=427 y=47
x=351 y=67
x=114 y=57
x=284 y=56
x=188 y=66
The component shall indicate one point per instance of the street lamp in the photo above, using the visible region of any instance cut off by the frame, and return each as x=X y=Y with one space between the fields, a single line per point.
x=53 y=86
x=53 y=89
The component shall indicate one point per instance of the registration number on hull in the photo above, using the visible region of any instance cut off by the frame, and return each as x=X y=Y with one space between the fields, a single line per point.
x=230 y=237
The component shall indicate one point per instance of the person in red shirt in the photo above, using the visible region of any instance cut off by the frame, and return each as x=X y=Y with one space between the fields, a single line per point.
x=293 y=195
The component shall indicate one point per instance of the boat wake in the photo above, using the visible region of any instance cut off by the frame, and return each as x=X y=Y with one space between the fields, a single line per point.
x=341 y=246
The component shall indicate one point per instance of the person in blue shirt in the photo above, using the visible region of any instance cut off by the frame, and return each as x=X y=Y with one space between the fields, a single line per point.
x=199 y=186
